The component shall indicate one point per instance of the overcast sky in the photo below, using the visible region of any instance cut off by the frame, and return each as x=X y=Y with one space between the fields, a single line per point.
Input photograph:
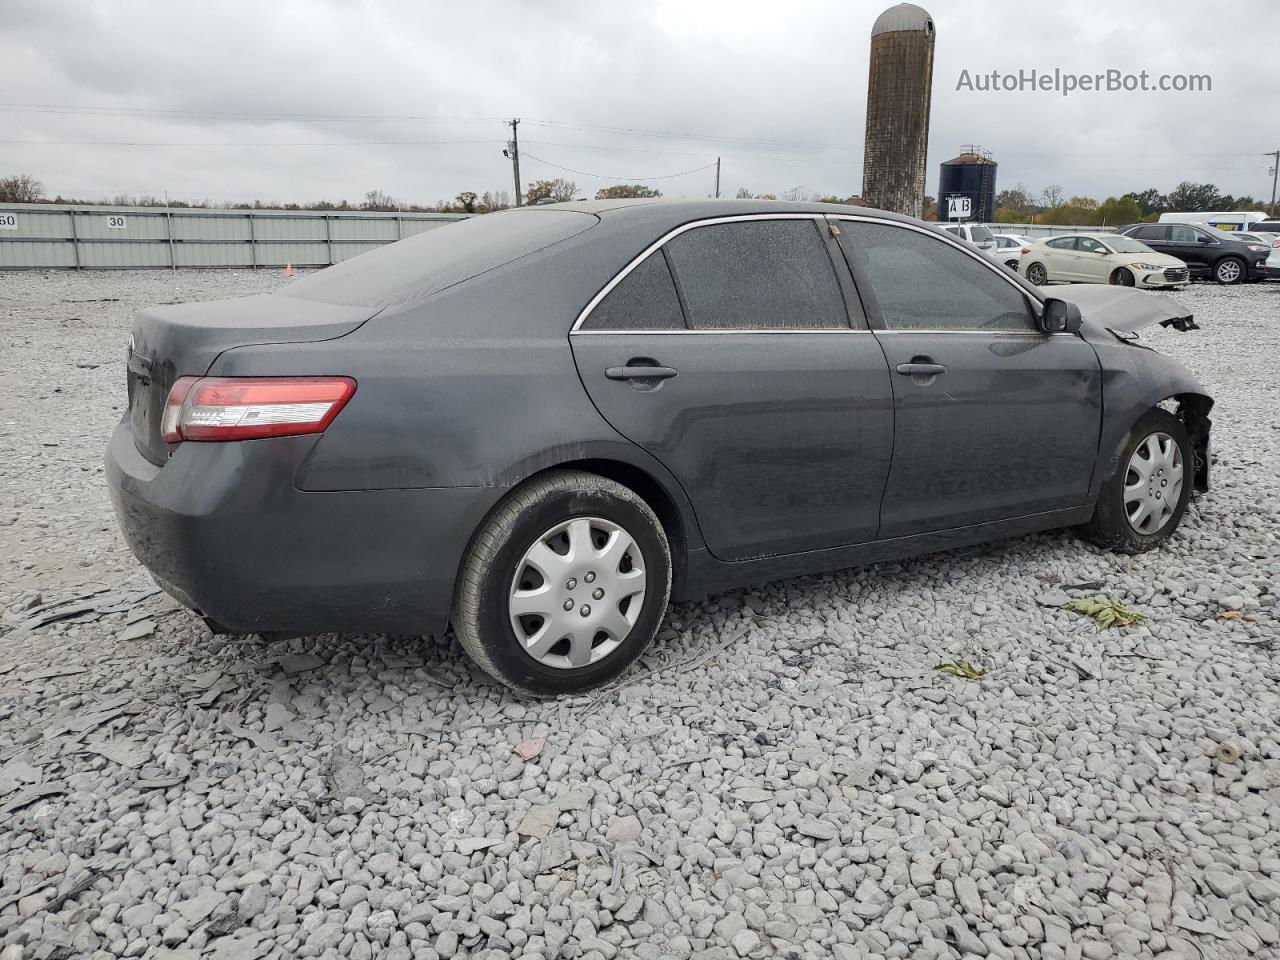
x=778 y=90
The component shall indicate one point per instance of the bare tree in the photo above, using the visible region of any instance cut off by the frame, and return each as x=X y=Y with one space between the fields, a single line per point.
x=494 y=200
x=1051 y=196
x=466 y=200
x=20 y=188
x=377 y=200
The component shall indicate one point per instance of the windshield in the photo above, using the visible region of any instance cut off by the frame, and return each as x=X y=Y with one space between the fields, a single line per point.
x=1127 y=245
x=981 y=233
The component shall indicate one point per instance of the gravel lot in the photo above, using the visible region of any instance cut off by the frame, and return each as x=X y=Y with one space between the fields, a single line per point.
x=784 y=775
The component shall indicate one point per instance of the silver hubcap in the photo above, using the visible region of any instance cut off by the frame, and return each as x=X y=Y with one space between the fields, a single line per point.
x=1153 y=483
x=1036 y=275
x=1228 y=271
x=577 y=592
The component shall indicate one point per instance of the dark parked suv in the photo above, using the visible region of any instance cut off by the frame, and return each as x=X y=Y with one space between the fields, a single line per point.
x=542 y=424
x=1206 y=251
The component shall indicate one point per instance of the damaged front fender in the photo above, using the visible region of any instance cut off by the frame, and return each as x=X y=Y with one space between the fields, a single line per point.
x=1136 y=380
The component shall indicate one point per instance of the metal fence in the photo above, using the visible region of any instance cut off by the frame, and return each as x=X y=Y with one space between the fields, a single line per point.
x=42 y=236
x=1039 y=230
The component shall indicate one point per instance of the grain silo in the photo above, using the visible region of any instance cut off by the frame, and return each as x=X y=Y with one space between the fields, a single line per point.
x=967 y=186
x=898 y=92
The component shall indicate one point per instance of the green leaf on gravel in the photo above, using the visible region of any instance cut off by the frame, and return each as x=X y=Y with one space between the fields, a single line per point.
x=962 y=669
x=1106 y=611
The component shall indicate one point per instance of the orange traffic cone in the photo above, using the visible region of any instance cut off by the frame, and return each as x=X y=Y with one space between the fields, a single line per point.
x=288 y=269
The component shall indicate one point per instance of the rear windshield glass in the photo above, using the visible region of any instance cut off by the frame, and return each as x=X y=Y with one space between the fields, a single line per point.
x=981 y=233
x=415 y=268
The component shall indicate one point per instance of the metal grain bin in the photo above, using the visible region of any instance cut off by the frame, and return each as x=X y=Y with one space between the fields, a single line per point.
x=967 y=187
x=899 y=89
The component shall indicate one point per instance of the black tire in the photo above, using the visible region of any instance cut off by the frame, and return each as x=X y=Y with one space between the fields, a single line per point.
x=481 y=617
x=1234 y=269
x=1109 y=527
x=1037 y=274
x=1123 y=278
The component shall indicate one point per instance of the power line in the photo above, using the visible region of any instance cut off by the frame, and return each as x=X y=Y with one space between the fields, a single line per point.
x=601 y=176
x=243 y=143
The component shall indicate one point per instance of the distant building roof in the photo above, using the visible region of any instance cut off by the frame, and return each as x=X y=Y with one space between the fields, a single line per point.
x=905 y=16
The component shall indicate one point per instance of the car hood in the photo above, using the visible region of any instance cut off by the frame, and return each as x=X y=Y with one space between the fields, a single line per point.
x=1124 y=310
x=1156 y=259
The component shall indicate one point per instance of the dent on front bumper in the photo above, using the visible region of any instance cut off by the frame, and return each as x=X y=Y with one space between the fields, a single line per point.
x=222 y=527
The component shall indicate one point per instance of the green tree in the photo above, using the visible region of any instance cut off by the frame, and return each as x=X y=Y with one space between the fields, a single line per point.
x=1117 y=210
x=1017 y=200
x=1188 y=197
x=626 y=191
x=1149 y=201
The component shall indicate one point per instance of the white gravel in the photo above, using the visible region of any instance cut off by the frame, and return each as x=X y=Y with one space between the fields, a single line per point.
x=784 y=775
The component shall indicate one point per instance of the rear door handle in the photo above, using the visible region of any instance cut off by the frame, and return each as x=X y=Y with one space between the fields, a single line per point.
x=921 y=369
x=640 y=372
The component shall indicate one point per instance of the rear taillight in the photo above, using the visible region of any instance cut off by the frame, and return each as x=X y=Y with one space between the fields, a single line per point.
x=1276 y=243
x=1026 y=249
x=250 y=408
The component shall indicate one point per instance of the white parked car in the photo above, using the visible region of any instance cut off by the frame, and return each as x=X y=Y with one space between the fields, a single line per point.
x=1100 y=258
x=1009 y=248
x=977 y=234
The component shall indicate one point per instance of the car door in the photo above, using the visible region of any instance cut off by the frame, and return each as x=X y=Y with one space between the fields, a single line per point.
x=1092 y=260
x=1060 y=258
x=992 y=418
x=773 y=407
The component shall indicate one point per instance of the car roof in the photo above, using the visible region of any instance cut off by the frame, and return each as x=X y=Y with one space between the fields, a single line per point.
x=678 y=210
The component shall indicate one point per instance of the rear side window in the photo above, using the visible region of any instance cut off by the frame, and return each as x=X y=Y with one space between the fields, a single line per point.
x=645 y=299
x=757 y=275
x=923 y=283
x=1063 y=243
x=1155 y=231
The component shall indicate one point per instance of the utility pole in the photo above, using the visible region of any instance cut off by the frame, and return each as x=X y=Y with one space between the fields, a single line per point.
x=1275 y=175
x=717 y=178
x=513 y=150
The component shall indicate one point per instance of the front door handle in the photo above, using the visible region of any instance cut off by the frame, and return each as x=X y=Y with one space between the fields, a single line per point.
x=921 y=369
x=639 y=371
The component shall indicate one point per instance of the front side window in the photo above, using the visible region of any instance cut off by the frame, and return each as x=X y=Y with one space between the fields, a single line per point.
x=645 y=299
x=923 y=283
x=1089 y=245
x=1182 y=234
x=757 y=275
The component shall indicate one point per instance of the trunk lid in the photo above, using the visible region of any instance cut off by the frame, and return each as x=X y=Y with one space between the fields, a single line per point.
x=179 y=340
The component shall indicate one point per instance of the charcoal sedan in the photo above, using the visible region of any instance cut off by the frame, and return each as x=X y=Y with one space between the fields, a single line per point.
x=541 y=425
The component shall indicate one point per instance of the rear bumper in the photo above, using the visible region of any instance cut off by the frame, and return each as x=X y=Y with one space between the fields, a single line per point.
x=223 y=529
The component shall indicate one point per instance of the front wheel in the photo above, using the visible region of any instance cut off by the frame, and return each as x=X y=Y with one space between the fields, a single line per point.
x=564 y=585
x=1229 y=270
x=1143 y=502
x=1122 y=278
x=1037 y=274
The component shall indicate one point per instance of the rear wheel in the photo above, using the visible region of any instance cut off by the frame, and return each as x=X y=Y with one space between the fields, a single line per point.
x=1229 y=270
x=1143 y=503
x=564 y=585
x=1037 y=274
x=1122 y=278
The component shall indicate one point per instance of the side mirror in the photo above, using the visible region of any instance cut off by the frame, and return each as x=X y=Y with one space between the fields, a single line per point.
x=1203 y=239
x=1060 y=316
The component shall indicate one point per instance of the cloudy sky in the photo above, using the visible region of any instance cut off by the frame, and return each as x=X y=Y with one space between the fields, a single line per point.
x=298 y=100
